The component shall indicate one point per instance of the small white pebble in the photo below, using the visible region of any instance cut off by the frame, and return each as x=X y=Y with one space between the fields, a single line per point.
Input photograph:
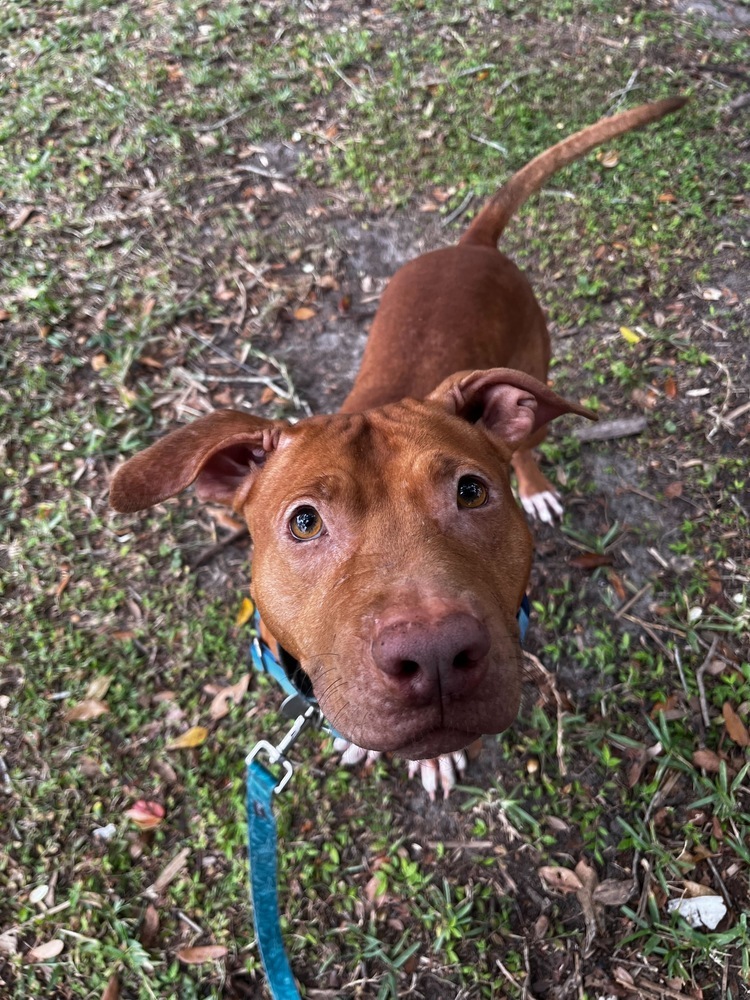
x=105 y=832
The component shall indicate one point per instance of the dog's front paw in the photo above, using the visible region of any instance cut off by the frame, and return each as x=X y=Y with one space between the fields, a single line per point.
x=445 y=771
x=351 y=754
x=545 y=506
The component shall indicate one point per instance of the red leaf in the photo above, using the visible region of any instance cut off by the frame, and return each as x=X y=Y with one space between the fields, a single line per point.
x=146 y=815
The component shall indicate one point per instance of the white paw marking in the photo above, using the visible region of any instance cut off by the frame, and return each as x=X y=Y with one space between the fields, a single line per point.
x=445 y=770
x=545 y=506
x=352 y=755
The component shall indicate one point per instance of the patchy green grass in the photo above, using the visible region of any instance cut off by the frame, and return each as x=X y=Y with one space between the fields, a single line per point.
x=176 y=179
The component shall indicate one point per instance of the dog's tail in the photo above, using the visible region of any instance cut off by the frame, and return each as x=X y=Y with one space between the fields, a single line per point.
x=485 y=230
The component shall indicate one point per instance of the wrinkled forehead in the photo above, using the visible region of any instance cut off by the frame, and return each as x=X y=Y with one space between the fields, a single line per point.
x=400 y=438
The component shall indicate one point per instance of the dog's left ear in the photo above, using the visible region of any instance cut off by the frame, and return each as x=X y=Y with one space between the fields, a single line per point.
x=510 y=404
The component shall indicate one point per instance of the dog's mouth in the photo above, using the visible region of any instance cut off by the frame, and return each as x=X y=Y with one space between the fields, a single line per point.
x=423 y=744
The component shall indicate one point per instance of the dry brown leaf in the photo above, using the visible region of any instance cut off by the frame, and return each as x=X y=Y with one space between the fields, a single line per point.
x=203 y=953
x=149 y=361
x=693 y=889
x=623 y=977
x=613 y=892
x=375 y=891
x=149 y=931
x=636 y=769
x=228 y=696
x=165 y=771
x=46 y=951
x=590 y=560
x=617 y=585
x=708 y=760
x=645 y=398
x=587 y=875
x=65 y=578
x=673 y=490
x=194 y=737
x=4 y=314
x=304 y=313
x=99 y=361
x=9 y=941
x=666 y=707
x=666 y=197
x=98 y=687
x=441 y=195
x=608 y=158
x=735 y=726
x=670 y=387
x=559 y=878
x=112 y=989
x=91 y=708
x=161 y=696
x=694 y=855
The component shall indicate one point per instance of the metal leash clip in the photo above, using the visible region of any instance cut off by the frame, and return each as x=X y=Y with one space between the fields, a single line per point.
x=304 y=715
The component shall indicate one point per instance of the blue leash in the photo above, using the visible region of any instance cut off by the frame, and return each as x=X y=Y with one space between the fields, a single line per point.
x=262 y=785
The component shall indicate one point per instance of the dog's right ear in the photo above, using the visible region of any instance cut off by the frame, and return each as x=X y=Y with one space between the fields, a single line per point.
x=219 y=453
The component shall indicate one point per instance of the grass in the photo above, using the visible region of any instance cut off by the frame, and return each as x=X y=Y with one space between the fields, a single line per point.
x=135 y=234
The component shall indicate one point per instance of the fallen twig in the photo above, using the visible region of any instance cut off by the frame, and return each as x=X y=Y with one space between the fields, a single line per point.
x=5 y=781
x=699 y=674
x=222 y=122
x=458 y=211
x=661 y=628
x=358 y=94
x=720 y=419
x=608 y=430
x=208 y=554
x=489 y=142
x=551 y=681
x=622 y=94
x=633 y=600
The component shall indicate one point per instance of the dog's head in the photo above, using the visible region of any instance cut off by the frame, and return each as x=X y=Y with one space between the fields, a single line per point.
x=389 y=555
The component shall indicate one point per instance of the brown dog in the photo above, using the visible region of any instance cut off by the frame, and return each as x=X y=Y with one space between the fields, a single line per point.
x=390 y=557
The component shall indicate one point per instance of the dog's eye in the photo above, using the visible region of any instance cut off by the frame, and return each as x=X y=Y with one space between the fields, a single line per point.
x=471 y=492
x=305 y=523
